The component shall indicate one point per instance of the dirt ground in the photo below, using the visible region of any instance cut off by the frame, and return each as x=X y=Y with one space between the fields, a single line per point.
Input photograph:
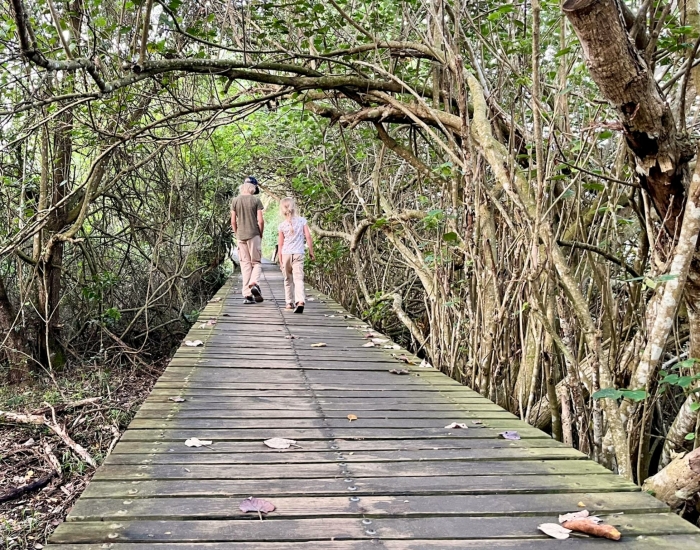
x=30 y=453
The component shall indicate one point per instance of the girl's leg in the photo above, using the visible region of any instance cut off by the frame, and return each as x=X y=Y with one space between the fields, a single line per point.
x=298 y=274
x=287 y=273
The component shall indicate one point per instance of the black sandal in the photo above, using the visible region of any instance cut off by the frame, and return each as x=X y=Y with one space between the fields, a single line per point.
x=299 y=308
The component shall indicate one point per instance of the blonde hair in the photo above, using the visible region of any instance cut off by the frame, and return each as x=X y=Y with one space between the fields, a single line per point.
x=247 y=189
x=288 y=208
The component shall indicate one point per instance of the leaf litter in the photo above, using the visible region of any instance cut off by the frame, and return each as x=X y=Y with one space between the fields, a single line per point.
x=177 y=399
x=319 y=345
x=456 y=425
x=511 y=435
x=352 y=417
x=280 y=443
x=252 y=504
x=194 y=343
x=195 y=442
x=400 y=371
x=581 y=522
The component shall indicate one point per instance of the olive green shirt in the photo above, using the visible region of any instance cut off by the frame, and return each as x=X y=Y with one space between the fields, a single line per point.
x=246 y=208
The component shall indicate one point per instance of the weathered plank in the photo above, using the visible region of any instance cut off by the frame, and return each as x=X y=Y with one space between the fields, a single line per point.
x=369 y=506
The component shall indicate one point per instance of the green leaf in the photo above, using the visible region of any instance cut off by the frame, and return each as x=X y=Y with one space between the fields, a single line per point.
x=607 y=393
x=450 y=237
x=694 y=407
x=594 y=186
x=605 y=134
x=689 y=437
x=634 y=395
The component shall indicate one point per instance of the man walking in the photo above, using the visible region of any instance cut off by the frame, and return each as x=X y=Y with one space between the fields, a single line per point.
x=248 y=225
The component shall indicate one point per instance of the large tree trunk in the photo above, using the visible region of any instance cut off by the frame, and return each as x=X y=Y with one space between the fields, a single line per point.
x=13 y=342
x=625 y=80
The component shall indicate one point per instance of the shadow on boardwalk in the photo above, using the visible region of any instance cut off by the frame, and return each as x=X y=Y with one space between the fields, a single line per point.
x=395 y=478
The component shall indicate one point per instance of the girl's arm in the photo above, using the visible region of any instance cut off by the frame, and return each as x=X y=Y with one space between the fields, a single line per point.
x=309 y=242
x=280 y=244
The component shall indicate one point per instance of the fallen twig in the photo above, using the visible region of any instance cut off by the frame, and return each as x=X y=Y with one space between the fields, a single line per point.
x=39 y=420
x=22 y=489
x=69 y=405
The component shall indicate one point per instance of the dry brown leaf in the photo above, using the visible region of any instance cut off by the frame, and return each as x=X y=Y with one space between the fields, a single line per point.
x=352 y=417
x=590 y=527
x=252 y=504
x=319 y=345
x=176 y=399
x=368 y=345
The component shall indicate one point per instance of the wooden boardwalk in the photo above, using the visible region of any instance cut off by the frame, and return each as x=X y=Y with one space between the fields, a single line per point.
x=395 y=478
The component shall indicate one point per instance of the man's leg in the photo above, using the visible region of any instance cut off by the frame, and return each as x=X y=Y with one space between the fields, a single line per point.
x=298 y=272
x=288 y=284
x=246 y=267
x=255 y=250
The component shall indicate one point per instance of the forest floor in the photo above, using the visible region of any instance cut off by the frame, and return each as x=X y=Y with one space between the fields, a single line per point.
x=104 y=402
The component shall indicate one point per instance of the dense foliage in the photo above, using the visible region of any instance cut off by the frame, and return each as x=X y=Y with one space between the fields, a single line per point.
x=511 y=198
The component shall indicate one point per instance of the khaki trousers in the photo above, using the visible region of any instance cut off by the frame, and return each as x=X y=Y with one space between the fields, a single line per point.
x=293 y=271
x=250 y=254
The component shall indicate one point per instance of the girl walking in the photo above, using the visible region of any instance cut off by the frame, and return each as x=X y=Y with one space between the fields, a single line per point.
x=293 y=231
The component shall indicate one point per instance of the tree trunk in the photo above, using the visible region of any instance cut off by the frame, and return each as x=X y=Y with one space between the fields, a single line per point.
x=14 y=342
x=677 y=482
x=625 y=80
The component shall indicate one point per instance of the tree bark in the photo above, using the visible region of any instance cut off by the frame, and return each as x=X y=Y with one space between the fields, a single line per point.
x=625 y=80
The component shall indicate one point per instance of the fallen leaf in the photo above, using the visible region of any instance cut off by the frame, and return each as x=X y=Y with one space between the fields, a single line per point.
x=379 y=341
x=370 y=335
x=512 y=435
x=319 y=345
x=194 y=343
x=581 y=504
x=425 y=365
x=194 y=442
x=590 y=527
x=290 y=337
x=203 y=325
x=217 y=299
x=573 y=515
x=352 y=417
x=311 y=299
x=211 y=322
x=477 y=422
x=554 y=530
x=368 y=345
x=252 y=504
x=177 y=399
x=28 y=443
x=280 y=443
x=400 y=371
x=456 y=425
x=403 y=358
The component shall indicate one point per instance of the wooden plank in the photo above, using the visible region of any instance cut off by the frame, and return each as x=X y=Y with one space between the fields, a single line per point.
x=363 y=486
x=262 y=422
x=314 y=433
x=302 y=457
x=315 y=412
x=338 y=528
x=343 y=446
x=371 y=506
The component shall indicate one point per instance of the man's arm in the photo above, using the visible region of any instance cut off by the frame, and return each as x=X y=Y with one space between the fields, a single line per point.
x=234 y=225
x=261 y=222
